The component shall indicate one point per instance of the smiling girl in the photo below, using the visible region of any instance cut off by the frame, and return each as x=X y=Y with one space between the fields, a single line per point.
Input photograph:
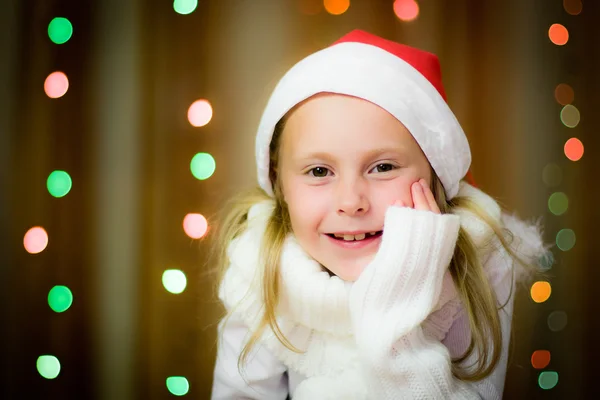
x=365 y=266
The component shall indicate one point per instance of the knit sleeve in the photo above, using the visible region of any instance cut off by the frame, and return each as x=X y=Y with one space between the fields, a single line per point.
x=392 y=298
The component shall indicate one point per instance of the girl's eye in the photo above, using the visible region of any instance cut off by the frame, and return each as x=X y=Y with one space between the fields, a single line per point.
x=384 y=167
x=319 y=172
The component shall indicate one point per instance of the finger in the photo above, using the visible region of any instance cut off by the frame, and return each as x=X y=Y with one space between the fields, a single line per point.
x=430 y=198
x=419 y=197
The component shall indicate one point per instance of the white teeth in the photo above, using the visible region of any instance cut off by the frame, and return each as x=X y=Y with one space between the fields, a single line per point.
x=348 y=237
x=360 y=236
x=338 y=236
x=372 y=233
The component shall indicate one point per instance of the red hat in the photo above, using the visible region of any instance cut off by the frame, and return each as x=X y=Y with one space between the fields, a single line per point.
x=404 y=81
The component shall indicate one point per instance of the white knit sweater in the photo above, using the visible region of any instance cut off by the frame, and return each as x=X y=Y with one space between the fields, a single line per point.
x=381 y=337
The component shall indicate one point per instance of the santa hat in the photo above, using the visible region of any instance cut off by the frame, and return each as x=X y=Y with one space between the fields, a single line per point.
x=404 y=81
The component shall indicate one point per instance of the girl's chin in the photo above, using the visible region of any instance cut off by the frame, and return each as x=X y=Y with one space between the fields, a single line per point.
x=348 y=273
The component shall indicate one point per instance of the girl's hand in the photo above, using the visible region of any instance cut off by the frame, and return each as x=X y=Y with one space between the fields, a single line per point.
x=422 y=198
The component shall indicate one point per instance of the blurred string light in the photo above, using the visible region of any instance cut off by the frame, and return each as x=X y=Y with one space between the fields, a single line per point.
x=548 y=379
x=336 y=7
x=56 y=85
x=565 y=239
x=546 y=261
x=174 y=281
x=60 y=298
x=178 y=385
x=540 y=359
x=35 y=240
x=573 y=7
x=406 y=10
x=540 y=291
x=60 y=30
x=557 y=320
x=574 y=149
x=59 y=183
x=552 y=175
x=569 y=115
x=564 y=94
x=200 y=113
x=48 y=366
x=310 y=7
x=203 y=165
x=185 y=7
x=558 y=34
x=195 y=225
x=558 y=203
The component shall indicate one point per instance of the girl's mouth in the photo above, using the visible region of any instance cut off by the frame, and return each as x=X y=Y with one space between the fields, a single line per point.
x=355 y=238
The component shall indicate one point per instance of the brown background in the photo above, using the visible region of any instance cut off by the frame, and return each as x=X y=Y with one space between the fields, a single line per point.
x=122 y=134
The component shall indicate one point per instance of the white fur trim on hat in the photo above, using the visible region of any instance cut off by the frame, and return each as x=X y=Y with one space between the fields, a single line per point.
x=373 y=74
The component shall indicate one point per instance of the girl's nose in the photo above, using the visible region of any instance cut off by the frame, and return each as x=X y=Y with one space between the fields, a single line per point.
x=352 y=198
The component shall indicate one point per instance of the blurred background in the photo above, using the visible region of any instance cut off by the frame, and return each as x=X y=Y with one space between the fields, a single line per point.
x=124 y=125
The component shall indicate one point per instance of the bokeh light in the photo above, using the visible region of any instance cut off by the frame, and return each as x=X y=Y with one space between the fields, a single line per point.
x=60 y=298
x=540 y=291
x=195 y=225
x=569 y=116
x=558 y=203
x=565 y=239
x=573 y=7
x=557 y=320
x=174 y=281
x=552 y=175
x=336 y=7
x=60 y=30
x=59 y=183
x=574 y=149
x=200 y=113
x=185 y=7
x=540 y=359
x=178 y=385
x=35 y=240
x=548 y=379
x=558 y=34
x=546 y=261
x=564 y=94
x=56 y=85
x=203 y=165
x=406 y=10
x=48 y=366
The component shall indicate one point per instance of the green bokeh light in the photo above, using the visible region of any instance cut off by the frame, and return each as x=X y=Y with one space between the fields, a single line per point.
x=569 y=115
x=185 y=6
x=552 y=175
x=60 y=30
x=60 y=298
x=548 y=379
x=558 y=203
x=565 y=239
x=48 y=366
x=203 y=166
x=178 y=385
x=59 y=183
x=174 y=281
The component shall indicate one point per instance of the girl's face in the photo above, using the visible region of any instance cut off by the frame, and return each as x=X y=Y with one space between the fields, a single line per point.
x=343 y=161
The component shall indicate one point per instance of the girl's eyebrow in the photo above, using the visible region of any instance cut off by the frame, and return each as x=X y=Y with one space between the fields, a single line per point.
x=319 y=155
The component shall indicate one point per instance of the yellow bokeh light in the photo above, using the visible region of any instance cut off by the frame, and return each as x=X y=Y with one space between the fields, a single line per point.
x=35 y=240
x=336 y=7
x=540 y=291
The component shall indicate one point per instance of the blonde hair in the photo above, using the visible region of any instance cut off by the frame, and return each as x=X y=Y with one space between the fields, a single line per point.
x=472 y=285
